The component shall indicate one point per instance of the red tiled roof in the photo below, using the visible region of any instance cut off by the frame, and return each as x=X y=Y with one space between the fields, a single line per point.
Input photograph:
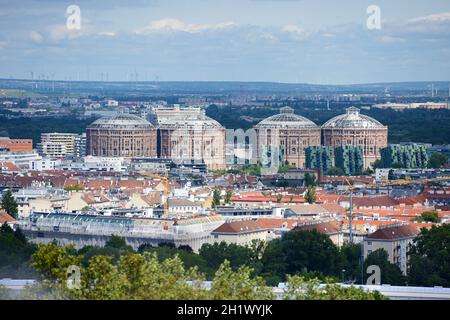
x=334 y=208
x=236 y=227
x=394 y=232
x=9 y=166
x=5 y=217
x=379 y=201
x=285 y=199
x=411 y=200
x=328 y=227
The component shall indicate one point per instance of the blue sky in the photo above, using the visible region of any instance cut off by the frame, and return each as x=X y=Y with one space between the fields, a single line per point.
x=310 y=41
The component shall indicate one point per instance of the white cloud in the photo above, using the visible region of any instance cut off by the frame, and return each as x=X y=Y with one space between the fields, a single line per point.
x=390 y=39
x=434 y=18
x=291 y=28
x=107 y=33
x=36 y=36
x=61 y=32
x=175 y=25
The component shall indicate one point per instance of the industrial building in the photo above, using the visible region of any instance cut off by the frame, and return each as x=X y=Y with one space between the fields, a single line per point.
x=353 y=128
x=187 y=135
x=122 y=135
x=291 y=132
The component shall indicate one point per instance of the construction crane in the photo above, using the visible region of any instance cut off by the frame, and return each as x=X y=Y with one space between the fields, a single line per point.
x=166 y=187
x=399 y=182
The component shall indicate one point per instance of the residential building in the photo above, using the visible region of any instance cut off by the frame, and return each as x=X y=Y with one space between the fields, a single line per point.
x=395 y=240
x=60 y=145
x=15 y=145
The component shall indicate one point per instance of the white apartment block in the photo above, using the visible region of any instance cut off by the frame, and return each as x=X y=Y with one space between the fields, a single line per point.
x=59 y=145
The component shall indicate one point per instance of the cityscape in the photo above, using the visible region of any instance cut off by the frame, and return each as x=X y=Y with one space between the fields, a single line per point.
x=216 y=168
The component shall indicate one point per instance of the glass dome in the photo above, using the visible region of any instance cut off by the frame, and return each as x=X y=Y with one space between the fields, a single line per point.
x=190 y=120
x=286 y=118
x=353 y=119
x=121 y=121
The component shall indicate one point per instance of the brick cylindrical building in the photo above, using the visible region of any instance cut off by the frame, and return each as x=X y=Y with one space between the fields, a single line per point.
x=353 y=128
x=123 y=135
x=289 y=131
x=187 y=135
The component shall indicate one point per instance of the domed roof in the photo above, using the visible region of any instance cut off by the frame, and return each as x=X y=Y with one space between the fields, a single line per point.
x=120 y=121
x=286 y=118
x=353 y=119
x=183 y=120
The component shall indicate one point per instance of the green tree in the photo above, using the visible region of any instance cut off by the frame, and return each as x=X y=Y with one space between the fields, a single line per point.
x=279 y=197
x=390 y=273
x=437 y=160
x=274 y=263
x=397 y=165
x=135 y=276
x=252 y=169
x=5 y=293
x=310 y=195
x=9 y=204
x=391 y=175
x=351 y=258
x=188 y=258
x=15 y=253
x=335 y=171
x=238 y=285
x=216 y=198
x=367 y=172
x=285 y=168
x=310 y=180
x=117 y=242
x=142 y=276
x=377 y=164
x=228 y=195
x=430 y=257
x=215 y=254
x=74 y=188
x=300 y=252
x=429 y=216
x=300 y=288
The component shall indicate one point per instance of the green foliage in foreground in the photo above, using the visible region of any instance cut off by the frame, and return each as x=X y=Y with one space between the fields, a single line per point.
x=5 y=293
x=15 y=253
x=145 y=277
x=299 y=288
x=430 y=257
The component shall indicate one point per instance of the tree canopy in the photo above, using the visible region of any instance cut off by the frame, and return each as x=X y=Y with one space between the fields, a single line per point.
x=9 y=204
x=437 y=160
x=143 y=276
x=430 y=257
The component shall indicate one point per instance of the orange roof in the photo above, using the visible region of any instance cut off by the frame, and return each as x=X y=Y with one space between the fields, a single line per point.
x=5 y=217
x=256 y=225
x=285 y=199
x=8 y=166
x=327 y=227
x=394 y=232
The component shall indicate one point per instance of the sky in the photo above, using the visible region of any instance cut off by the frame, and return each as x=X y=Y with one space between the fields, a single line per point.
x=292 y=41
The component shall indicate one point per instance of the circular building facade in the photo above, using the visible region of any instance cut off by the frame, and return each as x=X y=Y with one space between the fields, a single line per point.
x=353 y=128
x=122 y=135
x=293 y=133
x=187 y=135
